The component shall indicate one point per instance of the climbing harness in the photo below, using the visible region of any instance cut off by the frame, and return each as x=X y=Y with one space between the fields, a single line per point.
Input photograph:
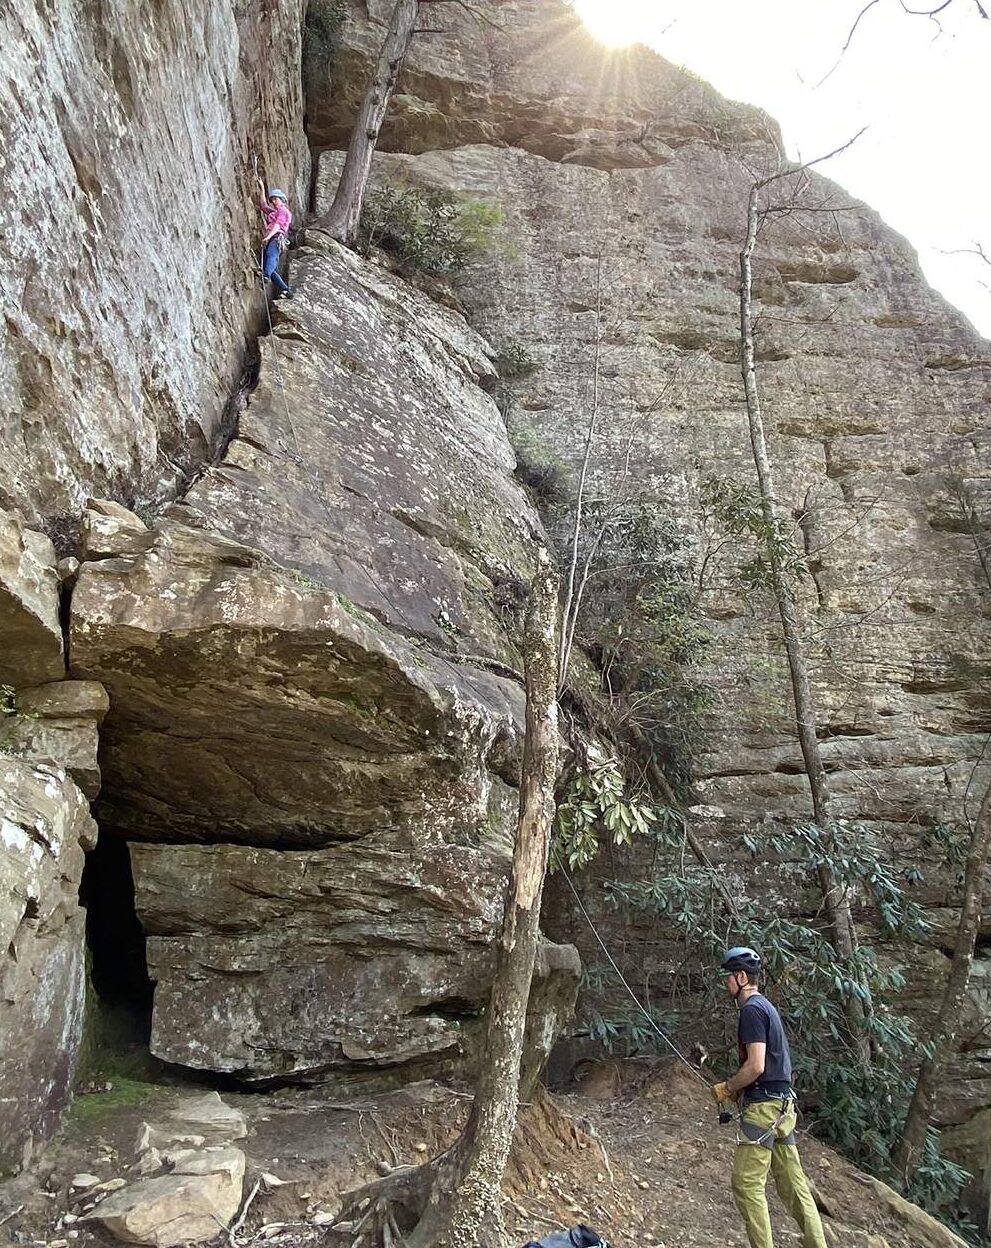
x=754 y=1133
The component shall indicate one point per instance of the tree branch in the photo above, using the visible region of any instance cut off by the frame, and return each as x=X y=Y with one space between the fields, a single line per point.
x=808 y=164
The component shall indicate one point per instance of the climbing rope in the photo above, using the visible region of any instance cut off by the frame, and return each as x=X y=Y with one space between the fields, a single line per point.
x=278 y=362
x=622 y=978
x=300 y=459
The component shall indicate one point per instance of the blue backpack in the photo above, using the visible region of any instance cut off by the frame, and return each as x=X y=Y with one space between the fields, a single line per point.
x=577 y=1237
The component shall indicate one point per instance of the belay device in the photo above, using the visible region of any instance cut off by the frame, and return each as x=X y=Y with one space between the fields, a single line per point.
x=577 y=1237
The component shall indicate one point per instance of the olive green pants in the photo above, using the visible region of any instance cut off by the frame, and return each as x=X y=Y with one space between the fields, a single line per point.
x=750 y=1167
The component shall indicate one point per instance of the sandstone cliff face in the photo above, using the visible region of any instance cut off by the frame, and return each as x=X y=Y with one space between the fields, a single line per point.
x=531 y=79
x=876 y=401
x=314 y=721
x=315 y=707
x=48 y=728
x=44 y=828
x=128 y=283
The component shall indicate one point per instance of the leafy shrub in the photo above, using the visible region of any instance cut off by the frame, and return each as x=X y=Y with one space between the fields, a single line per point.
x=595 y=801
x=65 y=532
x=514 y=363
x=639 y=618
x=737 y=509
x=322 y=29
x=859 y=1109
x=626 y=1032
x=434 y=232
x=540 y=469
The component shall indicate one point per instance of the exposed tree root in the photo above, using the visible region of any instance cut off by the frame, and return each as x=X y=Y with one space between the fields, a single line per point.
x=384 y=1212
x=411 y=1208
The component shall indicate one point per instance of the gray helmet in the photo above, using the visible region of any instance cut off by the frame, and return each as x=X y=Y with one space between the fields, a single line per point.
x=275 y=193
x=742 y=958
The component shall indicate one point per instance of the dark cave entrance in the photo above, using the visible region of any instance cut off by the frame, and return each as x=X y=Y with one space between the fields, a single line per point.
x=120 y=1001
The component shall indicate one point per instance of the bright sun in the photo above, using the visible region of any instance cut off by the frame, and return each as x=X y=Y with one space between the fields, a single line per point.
x=616 y=22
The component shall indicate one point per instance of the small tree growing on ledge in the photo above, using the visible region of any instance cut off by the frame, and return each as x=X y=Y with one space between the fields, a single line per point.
x=344 y=217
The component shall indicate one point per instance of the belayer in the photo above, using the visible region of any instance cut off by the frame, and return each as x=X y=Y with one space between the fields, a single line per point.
x=275 y=209
x=762 y=1087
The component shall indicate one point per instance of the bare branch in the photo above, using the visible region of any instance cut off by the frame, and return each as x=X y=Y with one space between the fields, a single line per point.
x=978 y=251
x=930 y=13
x=570 y=610
x=925 y=12
x=849 y=39
x=809 y=164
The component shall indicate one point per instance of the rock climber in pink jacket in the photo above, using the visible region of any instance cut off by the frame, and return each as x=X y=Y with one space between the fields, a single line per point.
x=275 y=209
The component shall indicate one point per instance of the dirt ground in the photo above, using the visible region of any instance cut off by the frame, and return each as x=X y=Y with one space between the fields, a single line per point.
x=634 y=1151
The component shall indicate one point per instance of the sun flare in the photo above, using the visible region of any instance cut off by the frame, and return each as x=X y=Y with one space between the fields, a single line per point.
x=617 y=22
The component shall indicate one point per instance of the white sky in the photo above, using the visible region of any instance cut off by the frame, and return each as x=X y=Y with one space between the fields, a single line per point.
x=924 y=90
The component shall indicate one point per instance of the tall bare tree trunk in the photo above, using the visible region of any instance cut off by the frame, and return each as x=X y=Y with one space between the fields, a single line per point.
x=465 y=1206
x=573 y=595
x=835 y=900
x=942 y=1041
x=345 y=212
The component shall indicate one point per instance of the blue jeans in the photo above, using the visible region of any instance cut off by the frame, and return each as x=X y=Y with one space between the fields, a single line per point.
x=270 y=264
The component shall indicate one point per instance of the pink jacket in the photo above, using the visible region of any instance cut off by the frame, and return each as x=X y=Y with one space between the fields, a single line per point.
x=276 y=215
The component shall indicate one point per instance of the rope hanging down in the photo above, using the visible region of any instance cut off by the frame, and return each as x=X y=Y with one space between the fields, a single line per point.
x=622 y=979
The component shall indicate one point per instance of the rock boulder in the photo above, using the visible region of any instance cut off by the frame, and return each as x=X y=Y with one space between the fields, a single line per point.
x=45 y=826
x=30 y=631
x=316 y=699
x=196 y=1200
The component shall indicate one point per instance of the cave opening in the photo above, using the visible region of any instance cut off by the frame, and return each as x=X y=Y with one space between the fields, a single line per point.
x=120 y=998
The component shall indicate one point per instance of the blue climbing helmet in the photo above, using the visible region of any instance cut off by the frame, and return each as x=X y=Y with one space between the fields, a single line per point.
x=741 y=958
x=275 y=193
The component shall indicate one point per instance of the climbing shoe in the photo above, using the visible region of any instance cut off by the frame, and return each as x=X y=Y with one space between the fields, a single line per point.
x=288 y=294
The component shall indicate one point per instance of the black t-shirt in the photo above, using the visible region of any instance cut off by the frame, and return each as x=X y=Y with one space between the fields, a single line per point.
x=760 y=1023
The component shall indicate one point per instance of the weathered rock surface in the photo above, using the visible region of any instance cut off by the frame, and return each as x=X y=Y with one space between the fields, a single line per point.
x=248 y=705
x=43 y=717
x=129 y=282
x=111 y=529
x=60 y=722
x=48 y=745
x=340 y=712
x=45 y=826
x=876 y=405
x=534 y=80
x=200 y=1196
x=186 y=1183
x=270 y=963
x=219 y=1122
x=969 y=1145
x=372 y=460
x=30 y=632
